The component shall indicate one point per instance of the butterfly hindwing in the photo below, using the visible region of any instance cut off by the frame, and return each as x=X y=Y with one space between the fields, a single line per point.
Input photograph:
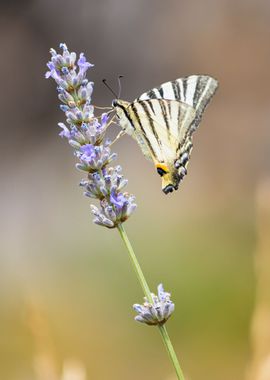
x=161 y=127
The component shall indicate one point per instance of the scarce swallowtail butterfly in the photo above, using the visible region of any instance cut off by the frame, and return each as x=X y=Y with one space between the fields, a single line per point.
x=163 y=120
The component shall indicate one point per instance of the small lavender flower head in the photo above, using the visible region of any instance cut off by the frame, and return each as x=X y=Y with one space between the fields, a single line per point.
x=158 y=312
x=86 y=134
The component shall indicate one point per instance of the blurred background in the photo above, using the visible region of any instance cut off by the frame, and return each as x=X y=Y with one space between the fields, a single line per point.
x=66 y=285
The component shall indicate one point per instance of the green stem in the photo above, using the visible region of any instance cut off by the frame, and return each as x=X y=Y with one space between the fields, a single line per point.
x=171 y=352
x=135 y=263
x=146 y=290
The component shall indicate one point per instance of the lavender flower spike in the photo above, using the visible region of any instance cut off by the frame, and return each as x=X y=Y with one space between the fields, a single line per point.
x=158 y=312
x=85 y=132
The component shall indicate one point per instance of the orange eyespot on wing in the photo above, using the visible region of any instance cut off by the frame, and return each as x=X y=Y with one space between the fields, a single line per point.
x=162 y=169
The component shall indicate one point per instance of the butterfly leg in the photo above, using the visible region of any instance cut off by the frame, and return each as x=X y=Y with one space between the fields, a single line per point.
x=120 y=134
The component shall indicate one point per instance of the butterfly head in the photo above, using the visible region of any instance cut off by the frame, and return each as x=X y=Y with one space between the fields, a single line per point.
x=119 y=106
x=171 y=175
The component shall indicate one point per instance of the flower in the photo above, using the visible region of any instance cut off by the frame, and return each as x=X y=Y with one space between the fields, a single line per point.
x=86 y=134
x=158 y=312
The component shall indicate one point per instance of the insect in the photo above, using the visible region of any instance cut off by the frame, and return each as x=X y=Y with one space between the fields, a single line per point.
x=163 y=121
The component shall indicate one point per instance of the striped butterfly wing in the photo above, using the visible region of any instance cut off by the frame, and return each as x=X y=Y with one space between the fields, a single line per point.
x=162 y=127
x=194 y=90
x=163 y=120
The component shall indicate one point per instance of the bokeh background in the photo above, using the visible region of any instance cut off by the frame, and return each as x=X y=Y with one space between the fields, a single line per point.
x=66 y=285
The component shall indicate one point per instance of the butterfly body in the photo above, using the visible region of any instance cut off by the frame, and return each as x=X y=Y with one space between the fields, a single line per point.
x=163 y=120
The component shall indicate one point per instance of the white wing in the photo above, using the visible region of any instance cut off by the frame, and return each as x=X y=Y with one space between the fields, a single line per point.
x=161 y=127
x=194 y=90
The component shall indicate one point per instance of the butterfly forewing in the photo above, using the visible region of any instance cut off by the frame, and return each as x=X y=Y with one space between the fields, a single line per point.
x=194 y=90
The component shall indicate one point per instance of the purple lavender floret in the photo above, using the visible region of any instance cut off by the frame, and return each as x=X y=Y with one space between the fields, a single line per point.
x=85 y=132
x=94 y=157
x=158 y=312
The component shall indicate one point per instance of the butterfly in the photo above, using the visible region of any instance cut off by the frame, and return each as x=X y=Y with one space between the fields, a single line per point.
x=163 y=121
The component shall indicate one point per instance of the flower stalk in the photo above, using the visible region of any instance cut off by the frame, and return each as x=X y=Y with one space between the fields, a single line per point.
x=85 y=132
x=149 y=296
x=135 y=264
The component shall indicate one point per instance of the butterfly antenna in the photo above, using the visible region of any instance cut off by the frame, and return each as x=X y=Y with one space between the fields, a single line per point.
x=119 y=86
x=109 y=87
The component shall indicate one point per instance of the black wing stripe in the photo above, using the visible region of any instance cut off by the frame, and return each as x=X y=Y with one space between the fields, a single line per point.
x=127 y=115
x=165 y=116
x=154 y=94
x=176 y=90
x=179 y=117
x=151 y=94
x=169 y=109
x=161 y=92
x=133 y=107
x=150 y=120
x=151 y=106
x=184 y=80
x=198 y=91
